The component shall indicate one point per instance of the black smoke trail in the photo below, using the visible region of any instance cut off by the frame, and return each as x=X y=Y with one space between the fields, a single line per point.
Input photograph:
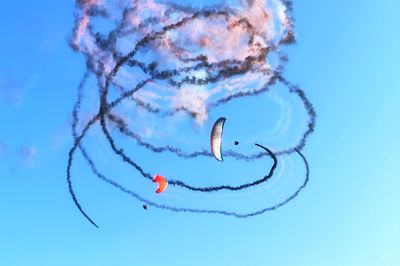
x=189 y=210
x=123 y=128
x=104 y=50
x=75 y=120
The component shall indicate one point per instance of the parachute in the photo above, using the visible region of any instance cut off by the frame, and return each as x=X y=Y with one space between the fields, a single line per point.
x=162 y=183
x=216 y=138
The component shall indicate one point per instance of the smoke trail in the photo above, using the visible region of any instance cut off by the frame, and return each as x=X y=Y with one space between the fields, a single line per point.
x=75 y=120
x=123 y=128
x=105 y=60
x=165 y=207
x=233 y=188
x=192 y=210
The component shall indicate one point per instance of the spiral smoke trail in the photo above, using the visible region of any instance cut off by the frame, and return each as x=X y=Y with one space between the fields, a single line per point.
x=189 y=56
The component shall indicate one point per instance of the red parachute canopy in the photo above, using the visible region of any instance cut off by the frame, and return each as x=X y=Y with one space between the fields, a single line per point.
x=162 y=183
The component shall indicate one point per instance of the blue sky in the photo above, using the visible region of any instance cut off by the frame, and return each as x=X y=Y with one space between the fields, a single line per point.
x=346 y=59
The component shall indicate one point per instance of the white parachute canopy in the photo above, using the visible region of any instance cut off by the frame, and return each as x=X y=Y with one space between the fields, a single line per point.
x=216 y=138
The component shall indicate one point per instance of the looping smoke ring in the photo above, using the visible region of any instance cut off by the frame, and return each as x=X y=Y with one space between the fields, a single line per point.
x=215 y=72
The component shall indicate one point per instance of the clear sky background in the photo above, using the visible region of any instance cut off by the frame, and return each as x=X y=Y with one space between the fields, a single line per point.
x=347 y=60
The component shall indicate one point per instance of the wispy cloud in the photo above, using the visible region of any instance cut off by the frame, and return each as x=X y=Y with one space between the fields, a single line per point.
x=17 y=157
x=27 y=155
x=3 y=150
x=13 y=89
